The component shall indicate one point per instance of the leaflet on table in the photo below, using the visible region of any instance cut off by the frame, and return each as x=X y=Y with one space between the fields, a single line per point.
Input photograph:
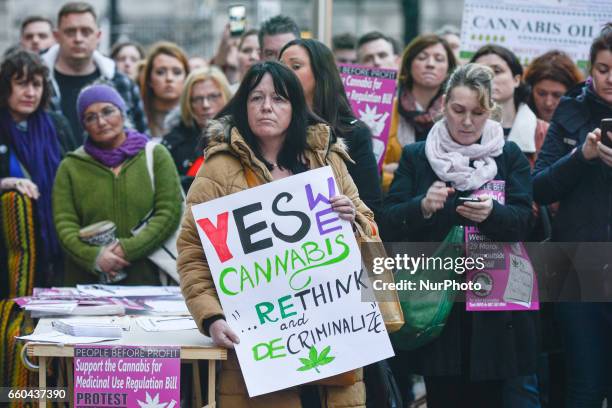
x=99 y=326
x=62 y=338
x=91 y=306
x=166 y=307
x=126 y=376
x=51 y=308
x=160 y=324
x=129 y=291
x=508 y=281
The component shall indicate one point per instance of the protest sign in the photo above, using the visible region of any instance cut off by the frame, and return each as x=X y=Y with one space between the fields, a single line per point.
x=288 y=275
x=508 y=281
x=532 y=27
x=371 y=91
x=127 y=376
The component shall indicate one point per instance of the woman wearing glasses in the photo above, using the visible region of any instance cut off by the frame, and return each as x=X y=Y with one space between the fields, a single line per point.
x=206 y=92
x=107 y=180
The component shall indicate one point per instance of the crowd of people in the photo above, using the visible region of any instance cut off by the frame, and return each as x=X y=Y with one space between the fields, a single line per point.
x=76 y=125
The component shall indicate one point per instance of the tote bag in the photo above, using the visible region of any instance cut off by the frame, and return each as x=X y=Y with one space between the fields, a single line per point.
x=426 y=311
x=165 y=256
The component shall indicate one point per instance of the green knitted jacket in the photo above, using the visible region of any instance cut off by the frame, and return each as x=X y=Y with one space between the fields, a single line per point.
x=86 y=192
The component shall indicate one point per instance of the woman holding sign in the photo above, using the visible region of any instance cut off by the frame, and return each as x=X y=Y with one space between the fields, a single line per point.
x=265 y=133
x=574 y=168
x=315 y=67
x=466 y=365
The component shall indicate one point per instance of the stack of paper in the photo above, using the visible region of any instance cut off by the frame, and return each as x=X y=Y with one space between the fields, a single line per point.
x=167 y=307
x=84 y=328
x=129 y=291
x=61 y=338
x=159 y=324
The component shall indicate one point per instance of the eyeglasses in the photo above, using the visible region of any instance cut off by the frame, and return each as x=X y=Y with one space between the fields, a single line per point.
x=212 y=98
x=106 y=113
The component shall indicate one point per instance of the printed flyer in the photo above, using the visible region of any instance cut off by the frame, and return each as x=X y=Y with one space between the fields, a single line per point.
x=288 y=275
x=532 y=27
x=508 y=281
x=127 y=376
x=371 y=92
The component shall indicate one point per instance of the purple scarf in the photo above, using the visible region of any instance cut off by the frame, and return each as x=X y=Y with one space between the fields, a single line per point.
x=38 y=151
x=134 y=142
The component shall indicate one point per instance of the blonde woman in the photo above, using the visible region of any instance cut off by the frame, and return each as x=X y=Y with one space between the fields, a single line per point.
x=206 y=91
x=467 y=364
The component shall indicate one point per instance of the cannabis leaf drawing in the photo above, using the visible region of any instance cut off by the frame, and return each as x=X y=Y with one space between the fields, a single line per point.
x=152 y=402
x=315 y=359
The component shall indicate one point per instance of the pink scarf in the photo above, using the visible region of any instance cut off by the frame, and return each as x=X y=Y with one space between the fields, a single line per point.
x=451 y=160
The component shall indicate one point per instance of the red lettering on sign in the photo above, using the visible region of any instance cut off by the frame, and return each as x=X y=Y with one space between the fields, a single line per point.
x=217 y=235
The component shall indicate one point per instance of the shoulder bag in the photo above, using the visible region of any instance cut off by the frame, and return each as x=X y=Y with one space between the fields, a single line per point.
x=165 y=256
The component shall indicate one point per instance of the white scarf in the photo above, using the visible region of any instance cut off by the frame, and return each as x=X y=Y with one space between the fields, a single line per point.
x=451 y=160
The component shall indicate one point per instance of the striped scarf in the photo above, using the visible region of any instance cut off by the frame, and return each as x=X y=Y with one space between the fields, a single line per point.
x=16 y=220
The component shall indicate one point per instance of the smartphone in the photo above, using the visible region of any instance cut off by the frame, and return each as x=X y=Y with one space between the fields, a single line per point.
x=237 y=20
x=461 y=200
x=606 y=126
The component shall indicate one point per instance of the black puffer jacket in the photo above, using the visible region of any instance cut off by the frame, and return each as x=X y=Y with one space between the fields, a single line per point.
x=582 y=188
x=183 y=142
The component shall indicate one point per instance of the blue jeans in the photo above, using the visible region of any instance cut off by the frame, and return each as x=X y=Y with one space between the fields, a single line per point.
x=587 y=335
x=522 y=392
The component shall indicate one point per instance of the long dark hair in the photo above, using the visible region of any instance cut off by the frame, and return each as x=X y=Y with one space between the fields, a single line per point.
x=329 y=101
x=23 y=65
x=521 y=92
x=287 y=85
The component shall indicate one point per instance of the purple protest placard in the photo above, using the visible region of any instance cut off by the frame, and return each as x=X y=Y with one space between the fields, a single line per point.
x=126 y=376
x=508 y=281
x=371 y=91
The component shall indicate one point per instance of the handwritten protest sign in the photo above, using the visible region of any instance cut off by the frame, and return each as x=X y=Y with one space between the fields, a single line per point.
x=288 y=274
x=370 y=92
x=508 y=281
x=126 y=376
x=532 y=27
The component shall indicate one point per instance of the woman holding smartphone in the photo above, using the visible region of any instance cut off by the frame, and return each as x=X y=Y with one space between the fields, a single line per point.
x=575 y=169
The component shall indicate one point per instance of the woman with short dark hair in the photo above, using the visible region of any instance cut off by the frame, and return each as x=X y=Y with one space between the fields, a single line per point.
x=126 y=55
x=32 y=142
x=550 y=76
